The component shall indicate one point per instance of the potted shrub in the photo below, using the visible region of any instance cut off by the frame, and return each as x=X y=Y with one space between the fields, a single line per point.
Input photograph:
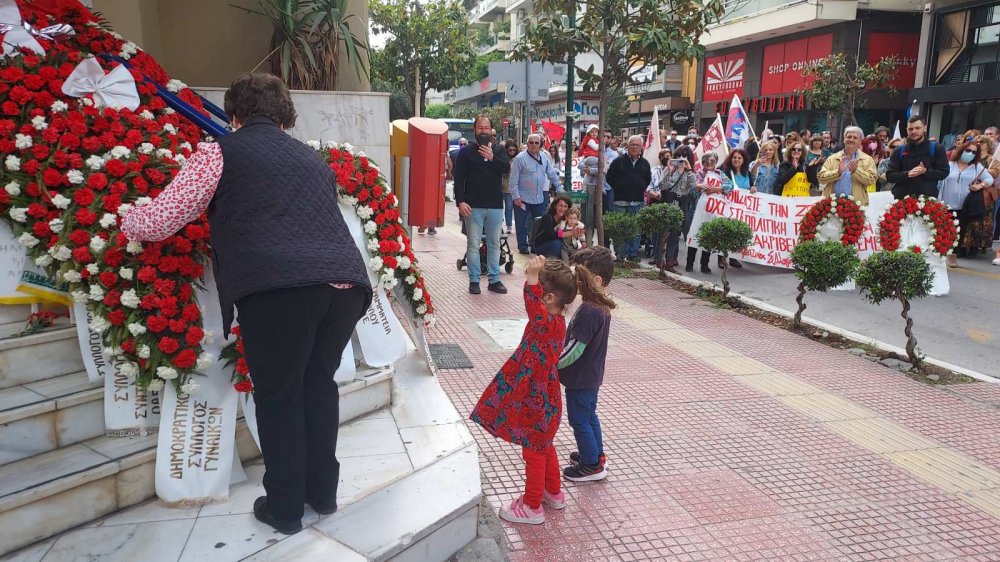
x=725 y=236
x=659 y=220
x=902 y=276
x=821 y=266
x=619 y=227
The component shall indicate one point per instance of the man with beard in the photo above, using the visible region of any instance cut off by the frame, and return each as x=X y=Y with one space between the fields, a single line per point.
x=916 y=166
x=479 y=171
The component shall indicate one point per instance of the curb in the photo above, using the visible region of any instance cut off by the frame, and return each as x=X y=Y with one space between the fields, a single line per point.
x=860 y=338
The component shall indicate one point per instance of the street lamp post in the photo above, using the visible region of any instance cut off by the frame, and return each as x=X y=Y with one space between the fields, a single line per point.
x=570 y=83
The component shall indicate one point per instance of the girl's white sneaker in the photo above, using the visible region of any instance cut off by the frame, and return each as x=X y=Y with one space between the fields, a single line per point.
x=519 y=512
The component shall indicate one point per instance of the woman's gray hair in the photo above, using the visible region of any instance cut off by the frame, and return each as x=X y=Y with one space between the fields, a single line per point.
x=853 y=129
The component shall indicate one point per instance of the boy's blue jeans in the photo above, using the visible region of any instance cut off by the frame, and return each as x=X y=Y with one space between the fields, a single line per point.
x=581 y=409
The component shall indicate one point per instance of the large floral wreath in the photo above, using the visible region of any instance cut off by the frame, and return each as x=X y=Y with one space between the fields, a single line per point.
x=934 y=213
x=847 y=209
x=71 y=169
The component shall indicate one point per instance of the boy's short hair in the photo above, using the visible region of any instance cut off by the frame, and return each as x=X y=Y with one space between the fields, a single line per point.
x=574 y=211
x=598 y=260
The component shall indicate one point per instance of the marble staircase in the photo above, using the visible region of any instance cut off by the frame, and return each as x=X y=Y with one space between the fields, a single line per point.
x=410 y=479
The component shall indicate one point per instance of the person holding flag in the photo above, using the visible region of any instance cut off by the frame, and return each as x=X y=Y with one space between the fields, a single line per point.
x=738 y=129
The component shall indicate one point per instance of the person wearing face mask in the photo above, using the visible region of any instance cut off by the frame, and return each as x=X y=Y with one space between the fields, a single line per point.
x=916 y=167
x=969 y=192
x=849 y=171
x=672 y=142
x=677 y=182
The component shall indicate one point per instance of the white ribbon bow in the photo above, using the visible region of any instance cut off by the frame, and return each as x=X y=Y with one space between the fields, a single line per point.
x=16 y=35
x=115 y=89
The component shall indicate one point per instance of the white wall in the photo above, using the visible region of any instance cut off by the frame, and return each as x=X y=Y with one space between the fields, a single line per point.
x=360 y=118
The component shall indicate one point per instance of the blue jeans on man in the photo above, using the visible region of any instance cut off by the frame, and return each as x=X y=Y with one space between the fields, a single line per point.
x=492 y=221
x=523 y=221
x=581 y=409
x=630 y=247
x=508 y=210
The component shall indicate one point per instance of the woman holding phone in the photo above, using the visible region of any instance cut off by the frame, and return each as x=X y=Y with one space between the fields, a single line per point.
x=678 y=184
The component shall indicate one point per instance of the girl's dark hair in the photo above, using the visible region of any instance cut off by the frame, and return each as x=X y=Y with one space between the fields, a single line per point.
x=686 y=153
x=260 y=94
x=744 y=170
x=556 y=200
x=566 y=282
x=598 y=260
x=788 y=151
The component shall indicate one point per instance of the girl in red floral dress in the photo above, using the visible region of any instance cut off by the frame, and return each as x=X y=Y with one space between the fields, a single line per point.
x=523 y=404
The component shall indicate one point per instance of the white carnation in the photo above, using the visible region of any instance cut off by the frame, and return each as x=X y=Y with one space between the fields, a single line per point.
x=20 y=214
x=128 y=369
x=164 y=153
x=98 y=324
x=372 y=245
x=79 y=297
x=58 y=106
x=370 y=228
x=39 y=123
x=143 y=351
x=97 y=244
x=189 y=387
x=422 y=309
x=136 y=329
x=166 y=373
x=146 y=148
x=87 y=102
x=365 y=212
x=410 y=280
x=418 y=294
x=27 y=240
x=133 y=247
x=13 y=188
x=95 y=162
x=169 y=128
x=125 y=273
x=207 y=338
x=143 y=201
x=12 y=163
x=313 y=144
x=376 y=263
x=147 y=115
x=205 y=361
x=404 y=262
x=130 y=299
x=75 y=177
x=123 y=210
x=120 y=152
x=22 y=141
x=43 y=260
x=96 y=292
x=60 y=202
x=93 y=269
x=60 y=252
x=155 y=385
x=128 y=49
x=171 y=111
x=56 y=225
x=175 y=85
x=332 y=144
x=349 y=147
x=108 y=220
x=72 y=276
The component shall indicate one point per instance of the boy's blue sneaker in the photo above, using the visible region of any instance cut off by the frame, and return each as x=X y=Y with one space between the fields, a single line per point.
x=585 y=473
x=574 y=457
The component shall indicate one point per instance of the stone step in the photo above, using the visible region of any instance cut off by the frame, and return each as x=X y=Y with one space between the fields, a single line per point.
x=48 y=354
x=42 y=416
x=51 y=492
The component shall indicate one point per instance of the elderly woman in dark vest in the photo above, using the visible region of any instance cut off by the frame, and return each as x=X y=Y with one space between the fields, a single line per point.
x=285 y=259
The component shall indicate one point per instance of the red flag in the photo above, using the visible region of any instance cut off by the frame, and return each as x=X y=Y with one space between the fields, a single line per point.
x=554 y=131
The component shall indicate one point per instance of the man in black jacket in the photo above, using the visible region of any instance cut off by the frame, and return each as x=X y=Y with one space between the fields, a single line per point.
x=629 y=176
x=479 y=169
x=916 y=167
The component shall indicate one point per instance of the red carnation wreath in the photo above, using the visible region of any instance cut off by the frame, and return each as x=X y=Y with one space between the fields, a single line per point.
x=852 y=219
x=937 y=216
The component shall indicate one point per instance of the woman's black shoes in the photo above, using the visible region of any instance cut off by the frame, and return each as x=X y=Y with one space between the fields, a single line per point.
x=322 y=509
x=706 y=270
x=263 y=515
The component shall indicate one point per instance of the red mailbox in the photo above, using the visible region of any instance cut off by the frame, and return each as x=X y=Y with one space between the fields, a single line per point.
x=428 y=149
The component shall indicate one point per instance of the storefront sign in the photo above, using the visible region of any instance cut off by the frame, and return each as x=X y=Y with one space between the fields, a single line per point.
x=768 y=105
x=724 y=76
x=784 y=63
x=902 y=45
x=680 y=119
x=590 y=111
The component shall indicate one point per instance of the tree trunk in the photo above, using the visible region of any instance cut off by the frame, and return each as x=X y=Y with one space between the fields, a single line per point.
x=416 y=92
x=725 y=278
x=911 y=342
x=661 y=257
x=802 y=305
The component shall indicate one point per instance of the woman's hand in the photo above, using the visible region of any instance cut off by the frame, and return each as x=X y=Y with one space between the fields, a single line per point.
x=753 y=189
x=534 y=267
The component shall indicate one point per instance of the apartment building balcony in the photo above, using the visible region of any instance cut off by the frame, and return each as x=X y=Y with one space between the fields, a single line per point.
x=486 y=11
x=499 y=42
x=748 y=21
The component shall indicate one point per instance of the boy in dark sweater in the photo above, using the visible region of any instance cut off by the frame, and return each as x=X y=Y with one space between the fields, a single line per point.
x=581 y=370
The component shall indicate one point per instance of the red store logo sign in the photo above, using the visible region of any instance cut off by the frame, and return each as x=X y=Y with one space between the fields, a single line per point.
x=784 y=63
x=724 y=76
x=903 y=45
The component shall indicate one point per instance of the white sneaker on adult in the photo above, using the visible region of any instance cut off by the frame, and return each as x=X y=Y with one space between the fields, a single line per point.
x=519 y=512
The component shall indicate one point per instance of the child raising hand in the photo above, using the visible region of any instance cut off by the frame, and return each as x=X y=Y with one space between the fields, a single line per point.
x=522 y=404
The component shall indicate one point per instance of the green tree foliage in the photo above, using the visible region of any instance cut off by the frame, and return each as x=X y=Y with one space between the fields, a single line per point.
x=481 y=66
x=307 y=38
x=821 y=266
x=438 y=111
x=839 y=86
x=619 y=227
x=902 y=276
x=626 y=35
x=618 y=113
x=429 y=43
x=725 y=236
x=386 y=79
x=658 y=220
x=496 y=113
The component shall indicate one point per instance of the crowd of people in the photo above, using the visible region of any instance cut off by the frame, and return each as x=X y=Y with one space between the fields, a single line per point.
x=529 y=180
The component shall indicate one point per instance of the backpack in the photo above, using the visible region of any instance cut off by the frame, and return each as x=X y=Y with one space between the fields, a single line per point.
x=535 y=230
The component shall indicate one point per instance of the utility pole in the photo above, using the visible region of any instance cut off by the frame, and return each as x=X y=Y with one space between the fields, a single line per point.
x=570 y=83
x=527 y=98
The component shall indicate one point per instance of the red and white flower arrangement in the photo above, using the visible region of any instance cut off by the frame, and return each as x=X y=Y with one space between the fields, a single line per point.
x=847 y=209
x=934 y=213
x=71 y=169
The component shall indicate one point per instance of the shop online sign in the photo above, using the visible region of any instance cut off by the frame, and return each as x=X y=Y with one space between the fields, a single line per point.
x=784 y=63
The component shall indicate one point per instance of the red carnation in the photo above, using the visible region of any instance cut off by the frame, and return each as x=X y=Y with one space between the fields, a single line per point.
x=117 y=317
x=146 y=274
x=97 y=181
x=108 y=278
x=82 y=255
x=244 y=386
x=194 y=336
x=185 y=359
x=156 y=324
x=241 y=366
x=83 y=197
x=41 y=229
x=168 y=345
x=116 y=168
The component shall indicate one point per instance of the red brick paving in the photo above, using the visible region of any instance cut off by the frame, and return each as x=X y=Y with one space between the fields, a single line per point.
x=703 y=467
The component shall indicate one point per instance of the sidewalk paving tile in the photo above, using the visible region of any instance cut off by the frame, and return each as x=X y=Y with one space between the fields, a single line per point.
x=731 y=439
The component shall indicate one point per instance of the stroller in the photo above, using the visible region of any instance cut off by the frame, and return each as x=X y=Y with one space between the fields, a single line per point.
x=506 y=256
